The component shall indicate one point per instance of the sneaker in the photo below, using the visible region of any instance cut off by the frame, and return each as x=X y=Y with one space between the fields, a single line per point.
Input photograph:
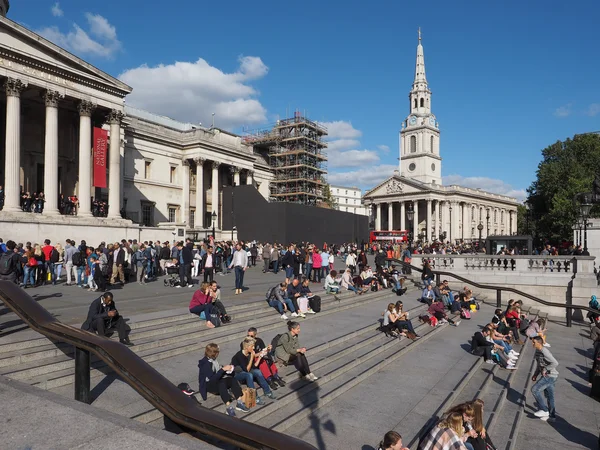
x=284 y=317
x=241 y=406
x=230 y=411
x=540 y=413
x=546 y=419
x=308 y=377
x=271 y=395
x=547 y=345
x=272 y=384
x=302 y=315
x=313 y=377
x=190 y=285
x=280 y=381
x=490 y=361
x=310 y=311
x=294 y=314
x=511 y=367
x=512 y=352
x=178 y=286
x=259 y=401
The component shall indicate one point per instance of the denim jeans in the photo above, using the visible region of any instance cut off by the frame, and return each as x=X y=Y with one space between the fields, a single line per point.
x=308 y=270
x=29 y=275
x=405 y=324
x=80 y=275
x=506 y=345
x=279 y=306
x=249 y=377
x=542 y=390
x=58 y=270
x=239 y=277
x=289 y=272
x=275 y=265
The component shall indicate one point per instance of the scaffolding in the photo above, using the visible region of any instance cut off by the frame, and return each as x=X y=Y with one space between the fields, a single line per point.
x=296 y=153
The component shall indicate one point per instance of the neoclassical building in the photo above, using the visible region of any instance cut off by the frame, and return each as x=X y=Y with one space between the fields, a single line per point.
x=454 y=212
x=163 y=176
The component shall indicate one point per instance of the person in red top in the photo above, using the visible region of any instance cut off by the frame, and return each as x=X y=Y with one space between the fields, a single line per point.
x=49 y=263
x=202 y=303
x=317 y=266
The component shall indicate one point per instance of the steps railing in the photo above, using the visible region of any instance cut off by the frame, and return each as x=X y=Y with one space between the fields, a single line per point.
x=568 y=305
x=143 y=378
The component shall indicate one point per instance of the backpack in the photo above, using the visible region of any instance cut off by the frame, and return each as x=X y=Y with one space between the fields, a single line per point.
x=215 y=319
x=78 y=259
x=594 y=303
x=6 y=264
x=54 y=255
x=270 y=292
x=275 y=342
x=465 y=314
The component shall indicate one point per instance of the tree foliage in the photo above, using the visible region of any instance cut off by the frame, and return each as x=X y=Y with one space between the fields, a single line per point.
x=328 y=200
x=567 y=168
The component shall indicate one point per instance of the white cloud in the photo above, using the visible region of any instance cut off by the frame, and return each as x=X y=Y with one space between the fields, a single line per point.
x=78 y=41
x=487 y=184
x=341 y=144
x=341 y=129
x=192 y=91
x=563 y=111
x=383 y=148
x=365 y=178
x=56 y=11
x=593 y=110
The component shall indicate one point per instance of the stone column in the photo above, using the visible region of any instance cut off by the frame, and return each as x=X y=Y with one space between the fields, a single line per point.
x=444 y=226
x=185 y=194
x=236 y=175
x=215 y=191
x=114 y=169
x=12 y=163
x=378 y=217
x=200 y=209
x=85 y=158
x=250 y=177
x=416 y=219
x=452 y=231
x=428 y=221
x=390 y=216
x=402 y=216
x=466 y=221
x=51 y=99
x=436 y=212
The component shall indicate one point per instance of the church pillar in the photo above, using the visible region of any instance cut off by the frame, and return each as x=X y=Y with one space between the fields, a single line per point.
x=378 y=217
x=185 y=194
x=402 y=216
x=215 y=192
x=466 y=222
x=428 y=221
x=51 y=99
x=390 y=216
x=435 y=219
x=200 y=208
x=249 y=177
x=236 y=175
x=12 y=163
x=416 y=230
x=114 y=169
x=84 y=185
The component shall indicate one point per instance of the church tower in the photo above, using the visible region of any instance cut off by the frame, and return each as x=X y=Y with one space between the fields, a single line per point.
x=4 y=5
x=420 y=136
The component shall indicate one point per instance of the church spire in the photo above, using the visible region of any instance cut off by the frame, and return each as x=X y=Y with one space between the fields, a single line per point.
x=420 y=66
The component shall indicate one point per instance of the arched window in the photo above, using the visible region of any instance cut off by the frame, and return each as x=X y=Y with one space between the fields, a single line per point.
x=413 y=144
x=415 y=102
x=431 y=144
x=422 y=102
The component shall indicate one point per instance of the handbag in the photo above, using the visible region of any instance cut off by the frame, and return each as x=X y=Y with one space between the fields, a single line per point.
x=249 y=397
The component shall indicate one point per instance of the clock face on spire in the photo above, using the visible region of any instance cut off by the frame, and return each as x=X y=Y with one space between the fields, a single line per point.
x=412 y=120
x=432 y=121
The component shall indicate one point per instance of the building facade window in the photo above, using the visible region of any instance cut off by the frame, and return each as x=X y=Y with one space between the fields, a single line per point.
x=192 y=218
x=147 y=170
x=172 y=174
x=413 y=144
x=147 y=214
x=172 y=214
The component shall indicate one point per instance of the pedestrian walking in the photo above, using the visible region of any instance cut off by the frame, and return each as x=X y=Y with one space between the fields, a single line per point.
x=545 y=377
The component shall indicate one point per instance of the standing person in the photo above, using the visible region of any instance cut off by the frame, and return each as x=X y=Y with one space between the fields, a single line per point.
x=118 y=261
x=325 y=262
x=58 y=265
x=49 y=261
x=10 y=263
x=287 y=263
x=317 y=266
x=208 y=264
x=544 y=387
x=288 y=351
x=165 y=256
x=253 y=255
x=266 y=255
x=69 y=250
x=185 y=258
x=240 y=263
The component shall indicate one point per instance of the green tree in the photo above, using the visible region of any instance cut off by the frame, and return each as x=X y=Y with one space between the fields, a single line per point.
x=567 y=168
x=328 y=200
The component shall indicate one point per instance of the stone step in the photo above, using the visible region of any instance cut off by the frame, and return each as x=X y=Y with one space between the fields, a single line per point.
x=42 y=373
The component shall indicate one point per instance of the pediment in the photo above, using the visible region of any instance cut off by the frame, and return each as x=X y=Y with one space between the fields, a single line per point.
x=396 y=185
x=25 y=51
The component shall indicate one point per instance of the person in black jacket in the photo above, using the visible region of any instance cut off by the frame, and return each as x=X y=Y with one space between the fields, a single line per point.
x=185 y=257
x=480 y=346
x=10 y=263
x=209 y=262
x=287 y=263
x=103 y=316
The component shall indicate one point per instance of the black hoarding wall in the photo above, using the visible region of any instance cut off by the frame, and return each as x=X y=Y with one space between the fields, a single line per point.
x=256 y=218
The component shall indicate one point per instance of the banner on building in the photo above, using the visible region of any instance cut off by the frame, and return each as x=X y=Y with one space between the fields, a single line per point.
x=100 y=155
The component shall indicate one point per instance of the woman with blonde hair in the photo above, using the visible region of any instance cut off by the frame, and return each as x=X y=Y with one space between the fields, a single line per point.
x=446 y=435
x=58 y=265
x=482 y=441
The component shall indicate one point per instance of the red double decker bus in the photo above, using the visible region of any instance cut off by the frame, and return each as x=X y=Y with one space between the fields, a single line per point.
x=388 y=236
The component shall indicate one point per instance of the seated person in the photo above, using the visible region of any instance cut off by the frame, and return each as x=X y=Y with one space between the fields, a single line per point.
x=448 y=290
x=501 y=340
x=288 y=351
x=480 y=346
x=248 y=361
x=428 y=295
x=367 y=277
x=398 y=281
x=332 y=284
x=267 y=365
x=305 y=290
x=391 y=441
x=103 y=317
x=294 y=292
x=499 y=355
x=217 y=305
x=438 y=310
x=513 y=321
x=402 y=319
x=219 y=380
x=202 y=303
x=596 y=306
x=348 y=283
x=277 y=298
x=389 y=322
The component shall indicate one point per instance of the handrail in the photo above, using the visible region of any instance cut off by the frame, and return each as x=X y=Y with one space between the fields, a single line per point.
x=148 y=382
x=569 y=307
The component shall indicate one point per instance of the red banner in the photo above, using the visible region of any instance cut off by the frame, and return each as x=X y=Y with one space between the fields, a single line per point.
x=100 y=155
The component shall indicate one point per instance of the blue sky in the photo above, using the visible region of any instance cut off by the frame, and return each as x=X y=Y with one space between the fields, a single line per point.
x=508 y=78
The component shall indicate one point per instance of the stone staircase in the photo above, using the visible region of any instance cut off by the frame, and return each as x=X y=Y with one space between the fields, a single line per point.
x=368 y=383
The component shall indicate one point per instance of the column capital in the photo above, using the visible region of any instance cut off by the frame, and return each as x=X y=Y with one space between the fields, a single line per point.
x=14 y=87
x=250 y=172
x=215 y=164
x=199 y=161
x=115 y=117
x=429 y=200
x=185 y=163
x=51 y=98
x=234 y=169
x=85 y=108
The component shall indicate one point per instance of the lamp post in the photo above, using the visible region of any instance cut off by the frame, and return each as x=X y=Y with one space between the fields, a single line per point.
x=585 y=208
x=487 y=219
x=410 y=214
x=480 y=229
x=232 y=215
x=579 y=225
x=214 y=218
x=450 y=208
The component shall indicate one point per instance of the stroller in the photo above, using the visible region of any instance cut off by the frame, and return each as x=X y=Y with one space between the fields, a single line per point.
x=173 y=277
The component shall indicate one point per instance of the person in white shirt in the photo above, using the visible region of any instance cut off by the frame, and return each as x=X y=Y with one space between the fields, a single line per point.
x=239 y=262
